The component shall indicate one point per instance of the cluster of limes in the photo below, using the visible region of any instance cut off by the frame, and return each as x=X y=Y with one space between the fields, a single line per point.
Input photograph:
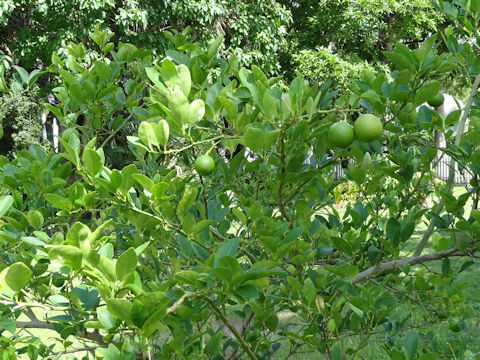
x=367 y=128
x=341 y=134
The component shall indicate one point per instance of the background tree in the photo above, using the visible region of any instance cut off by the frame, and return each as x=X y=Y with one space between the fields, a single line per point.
x=352 y=33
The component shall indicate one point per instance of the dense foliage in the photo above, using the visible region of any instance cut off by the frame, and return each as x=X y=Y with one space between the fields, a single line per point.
x=253 y=29
x=167 y=256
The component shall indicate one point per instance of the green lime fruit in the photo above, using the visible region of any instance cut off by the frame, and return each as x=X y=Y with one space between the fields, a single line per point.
x=368 y=127
x=340 y=134
x=454 y=326
x=204 y=165
x=436 y=101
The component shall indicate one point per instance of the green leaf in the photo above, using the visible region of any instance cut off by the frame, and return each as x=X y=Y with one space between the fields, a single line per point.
x=105 y=317
x=393 y=230
x=187 y=276
x=78 y=236
x=110 y=353
x=337 y=351
x=178 y=57
x=98 y=233
x=23 y=74
x=179 y=108
x=269 y=105
x=213 y=345
x=143 y=180
x=189 y=197
x=169 y=73
x=17 y=277
x=309 y=290
x=453 y=118
x=426 y=48
x=72 y=148
x=440 y=243
x=411 y=344
x=475 y=6
x=230 y=106
x=104 y=265
x=127 y=178
x=146 y=134
x=6 y=203
x=70 y=254
x=77 y=93
x=126 y=265
x=401 y=61
x=59 y=202
x=200 y=226
x=54 y=110
x=140 y=249
x=253 y=138
x=184 y=79
x=229 y=270
x=197 y=111
x=240 y=216
x=213 y=48
x=120 y=308
x=3 y=84
x=427 y=92
x=9 y=325
x=92 y=161
x=35 y=219
x=154 y=76
x=228 y=248
x=162 y=133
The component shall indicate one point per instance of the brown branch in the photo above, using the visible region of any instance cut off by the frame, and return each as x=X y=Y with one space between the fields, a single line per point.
x=281 y=203
x=71 y=351
x=232 y=328
x=92 y=336
x=179 y=302
x=412 y=260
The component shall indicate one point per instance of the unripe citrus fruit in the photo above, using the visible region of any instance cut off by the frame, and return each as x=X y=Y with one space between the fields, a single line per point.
x=453 y=326
x=340 y=134
x=437 y=100
x=368 y=127
x=204 y=165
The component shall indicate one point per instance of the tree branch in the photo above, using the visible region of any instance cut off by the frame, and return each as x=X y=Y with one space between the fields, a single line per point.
x=412 y=260
x=92 y=336
x=232 y=328
x=71 y=351
x=451 y=174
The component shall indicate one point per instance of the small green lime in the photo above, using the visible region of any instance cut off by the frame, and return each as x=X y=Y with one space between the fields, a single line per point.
x=204 y=165
x=340 y=134
x=368 y=127
x=437 y=100
x=454 y=326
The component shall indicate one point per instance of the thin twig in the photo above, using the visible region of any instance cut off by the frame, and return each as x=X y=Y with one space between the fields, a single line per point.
x=71 y=351
x=232 y=328
x=92 y=336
